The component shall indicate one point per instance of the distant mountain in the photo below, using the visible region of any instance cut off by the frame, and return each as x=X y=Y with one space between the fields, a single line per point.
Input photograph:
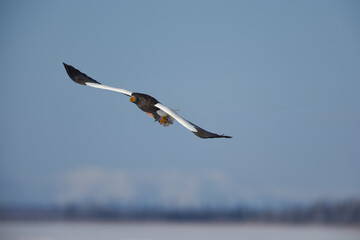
x=346 y=212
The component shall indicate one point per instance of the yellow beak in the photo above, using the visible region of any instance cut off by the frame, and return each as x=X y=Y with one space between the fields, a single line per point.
x=132 y=99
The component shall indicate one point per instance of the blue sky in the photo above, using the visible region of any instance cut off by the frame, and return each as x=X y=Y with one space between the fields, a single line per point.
x=281 y=77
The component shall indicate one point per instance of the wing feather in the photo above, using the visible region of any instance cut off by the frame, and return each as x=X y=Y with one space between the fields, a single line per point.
x=83 y=79
x=177 y=117
x=120 y=90
x=190 y=126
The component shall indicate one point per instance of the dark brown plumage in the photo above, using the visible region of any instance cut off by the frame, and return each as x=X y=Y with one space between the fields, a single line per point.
x=147 y=104
x=77 y=76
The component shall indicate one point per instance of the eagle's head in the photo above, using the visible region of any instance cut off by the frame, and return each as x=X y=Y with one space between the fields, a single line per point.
x=134 y=99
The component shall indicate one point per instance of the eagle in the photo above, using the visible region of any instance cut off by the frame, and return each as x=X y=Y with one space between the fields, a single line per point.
x=152 y=107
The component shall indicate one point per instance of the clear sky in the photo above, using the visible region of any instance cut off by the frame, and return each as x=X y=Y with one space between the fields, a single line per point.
x=281 y=77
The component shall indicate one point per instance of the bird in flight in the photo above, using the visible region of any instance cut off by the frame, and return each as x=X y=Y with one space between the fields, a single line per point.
x=152 y=107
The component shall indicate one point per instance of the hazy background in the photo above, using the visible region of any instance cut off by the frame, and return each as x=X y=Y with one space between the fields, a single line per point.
x=281 y=77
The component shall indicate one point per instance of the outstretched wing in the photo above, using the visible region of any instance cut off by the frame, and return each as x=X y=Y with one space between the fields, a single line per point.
x=192 y=127
x=83 y=79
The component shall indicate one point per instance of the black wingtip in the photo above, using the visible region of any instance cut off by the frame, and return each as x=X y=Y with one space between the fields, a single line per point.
x=225 y=136
x=201 y=133
x=77 y=76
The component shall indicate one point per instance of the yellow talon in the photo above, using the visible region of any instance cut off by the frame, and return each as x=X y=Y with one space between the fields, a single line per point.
x=163 y=121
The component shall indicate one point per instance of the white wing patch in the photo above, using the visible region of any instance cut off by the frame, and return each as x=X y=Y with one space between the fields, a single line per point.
x=176 y=117
x=120 y=90
x=162 y=113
